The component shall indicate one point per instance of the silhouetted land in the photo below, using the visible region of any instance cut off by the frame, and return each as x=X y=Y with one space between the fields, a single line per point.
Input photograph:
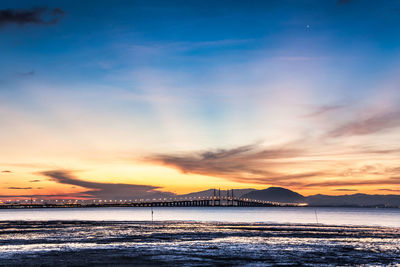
x=49 y=206
x=272 y=196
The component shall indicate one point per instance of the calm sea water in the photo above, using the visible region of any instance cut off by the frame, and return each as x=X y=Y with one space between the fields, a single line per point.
x=328 y=216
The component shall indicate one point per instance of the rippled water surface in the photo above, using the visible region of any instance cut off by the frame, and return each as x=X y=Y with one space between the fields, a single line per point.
x=331 y=216
x=60 y=243
x=200 y=237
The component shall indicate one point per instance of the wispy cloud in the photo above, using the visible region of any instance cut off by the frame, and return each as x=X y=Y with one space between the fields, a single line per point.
x=340 y=182
x=323 y=109
x=6 y=171
x=345 y=190
x=389 y=190
x=40 y=16
x=362 y=171
x=293 y=166
x=245 y=160
x=370 y=125
x=25 y=74
x=244 y=164
x=379 y=151
x=19 y=188
x=105 y=190
x=34 y=181
x=281 y=179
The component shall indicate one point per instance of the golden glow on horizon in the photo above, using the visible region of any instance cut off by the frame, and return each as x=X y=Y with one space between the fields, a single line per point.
x=306 y=150
x=169 y=179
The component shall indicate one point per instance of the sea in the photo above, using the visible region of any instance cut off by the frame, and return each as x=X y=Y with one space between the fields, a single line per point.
x=197 y=236
x=279 y=215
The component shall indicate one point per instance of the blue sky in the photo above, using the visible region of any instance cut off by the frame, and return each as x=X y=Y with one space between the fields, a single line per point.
x=126 y=81
x=196 y=36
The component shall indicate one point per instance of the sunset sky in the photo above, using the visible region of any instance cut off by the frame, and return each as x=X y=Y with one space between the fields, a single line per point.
x=128 y=98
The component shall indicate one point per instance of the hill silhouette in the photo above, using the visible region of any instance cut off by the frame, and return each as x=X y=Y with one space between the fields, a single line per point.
x=275 y=194
x=283 y=195
x=362 y=200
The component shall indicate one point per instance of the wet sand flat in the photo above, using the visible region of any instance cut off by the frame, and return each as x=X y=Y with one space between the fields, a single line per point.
x=80 y=243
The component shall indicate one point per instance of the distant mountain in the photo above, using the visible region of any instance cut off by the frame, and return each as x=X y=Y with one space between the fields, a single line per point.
x=210 y=193
x=275 y=194
x=355 y=200
x=283 y=195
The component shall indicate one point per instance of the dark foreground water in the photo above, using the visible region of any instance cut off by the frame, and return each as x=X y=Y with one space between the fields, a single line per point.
x=81 y=243
x=200 y=236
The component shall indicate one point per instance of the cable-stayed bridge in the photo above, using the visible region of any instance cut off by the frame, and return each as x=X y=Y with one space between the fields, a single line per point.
x=193 y=201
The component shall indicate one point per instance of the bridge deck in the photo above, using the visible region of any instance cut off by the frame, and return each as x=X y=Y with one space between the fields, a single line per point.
x=165 y=202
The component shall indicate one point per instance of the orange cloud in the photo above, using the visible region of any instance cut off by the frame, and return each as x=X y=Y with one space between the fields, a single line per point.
x=105 y=190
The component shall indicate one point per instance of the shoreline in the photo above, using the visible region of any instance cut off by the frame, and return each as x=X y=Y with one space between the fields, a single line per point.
x=18 y=207
x=189 y=222
x=193 y=222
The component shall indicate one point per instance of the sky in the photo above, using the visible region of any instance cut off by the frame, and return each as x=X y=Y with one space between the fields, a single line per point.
x=114 y=99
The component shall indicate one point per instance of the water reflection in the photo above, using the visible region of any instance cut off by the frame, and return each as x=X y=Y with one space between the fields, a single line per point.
x=328 y=216
x=177 y=243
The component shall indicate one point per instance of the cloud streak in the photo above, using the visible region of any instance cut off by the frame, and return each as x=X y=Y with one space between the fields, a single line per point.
x=366 y=126
x=386 y=181
x=389 y=190
x=345 y=190
x=244 y=164
x=247 y=160
x=105 y=190
x=323 y=110
x=26 y=74
x=290 y=166
x=38 y=16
